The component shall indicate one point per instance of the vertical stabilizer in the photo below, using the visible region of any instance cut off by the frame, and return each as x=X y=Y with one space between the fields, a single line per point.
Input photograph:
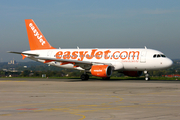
x=36 y=39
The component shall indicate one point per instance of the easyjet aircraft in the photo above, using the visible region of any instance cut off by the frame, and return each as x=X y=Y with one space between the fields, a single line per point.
x=98 y=62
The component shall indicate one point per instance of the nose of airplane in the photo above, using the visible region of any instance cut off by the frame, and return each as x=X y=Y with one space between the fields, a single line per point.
x=168 y=63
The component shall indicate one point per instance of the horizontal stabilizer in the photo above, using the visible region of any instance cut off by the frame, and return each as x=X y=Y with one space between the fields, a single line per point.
x=23 y=53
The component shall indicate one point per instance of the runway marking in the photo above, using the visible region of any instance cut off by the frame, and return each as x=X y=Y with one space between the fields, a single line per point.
x=5 y=114
x=74 y=111
x=63 y=110
x=46 y=103
x=83 y=116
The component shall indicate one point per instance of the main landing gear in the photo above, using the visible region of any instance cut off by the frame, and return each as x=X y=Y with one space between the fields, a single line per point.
x=84 y=77
x=146 y=75
x=106 y=78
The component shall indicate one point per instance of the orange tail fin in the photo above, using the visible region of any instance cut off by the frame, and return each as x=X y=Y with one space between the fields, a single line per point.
x=36 y=39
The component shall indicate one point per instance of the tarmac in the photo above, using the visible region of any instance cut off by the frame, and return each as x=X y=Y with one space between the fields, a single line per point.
x=73 y=99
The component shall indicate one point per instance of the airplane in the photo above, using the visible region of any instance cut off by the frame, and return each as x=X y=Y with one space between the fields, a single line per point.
x=97 y=62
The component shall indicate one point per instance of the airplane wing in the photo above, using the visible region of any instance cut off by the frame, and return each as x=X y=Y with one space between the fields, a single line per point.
x=75 y=62
x=64 y=61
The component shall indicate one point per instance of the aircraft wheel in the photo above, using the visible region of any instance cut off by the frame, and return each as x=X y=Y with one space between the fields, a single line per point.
x=106 y=78
x=146 y=78
x=84 y=77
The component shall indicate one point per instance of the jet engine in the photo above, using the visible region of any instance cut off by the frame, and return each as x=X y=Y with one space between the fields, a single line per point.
x=101 y=70
x=133 y=73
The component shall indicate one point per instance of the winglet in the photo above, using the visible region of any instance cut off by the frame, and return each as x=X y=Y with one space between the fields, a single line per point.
x=23 y=56
x=37 y=41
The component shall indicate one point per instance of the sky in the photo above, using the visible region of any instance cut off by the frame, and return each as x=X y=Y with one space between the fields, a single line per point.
x=92 y=24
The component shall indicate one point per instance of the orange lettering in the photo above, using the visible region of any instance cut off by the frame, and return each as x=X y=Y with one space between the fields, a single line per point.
x=92 y=54
x=99 y=55
x=59 y=54
x=106 y=54
x=114 y=55
x=67 y=55
x=74 y=55
x=133 y=54
x=82 y=55
x=125 y=55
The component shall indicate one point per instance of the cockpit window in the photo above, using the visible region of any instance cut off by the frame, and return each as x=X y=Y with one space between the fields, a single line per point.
x=158 y=56
x=163 y=55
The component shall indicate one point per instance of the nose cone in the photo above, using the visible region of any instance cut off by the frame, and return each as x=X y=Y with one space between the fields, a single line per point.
x=168 y=63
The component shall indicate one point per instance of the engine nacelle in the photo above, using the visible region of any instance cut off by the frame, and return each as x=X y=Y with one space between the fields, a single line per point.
x=101 y=70
x=133 y=73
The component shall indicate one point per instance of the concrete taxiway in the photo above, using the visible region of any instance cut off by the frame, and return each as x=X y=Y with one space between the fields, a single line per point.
x=73 y=99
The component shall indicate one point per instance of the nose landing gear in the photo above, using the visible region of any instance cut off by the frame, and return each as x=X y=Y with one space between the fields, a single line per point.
x=146 y=75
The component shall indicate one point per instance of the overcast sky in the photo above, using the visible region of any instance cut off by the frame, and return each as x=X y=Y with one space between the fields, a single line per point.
x=92 y=24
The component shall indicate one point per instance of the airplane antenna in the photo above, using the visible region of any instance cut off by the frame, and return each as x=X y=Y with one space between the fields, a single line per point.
x=145 y=47
x=77 y=47
x=59 y=48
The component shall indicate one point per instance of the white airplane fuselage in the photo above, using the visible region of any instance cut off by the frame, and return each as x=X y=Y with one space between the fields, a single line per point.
x=121 y=59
